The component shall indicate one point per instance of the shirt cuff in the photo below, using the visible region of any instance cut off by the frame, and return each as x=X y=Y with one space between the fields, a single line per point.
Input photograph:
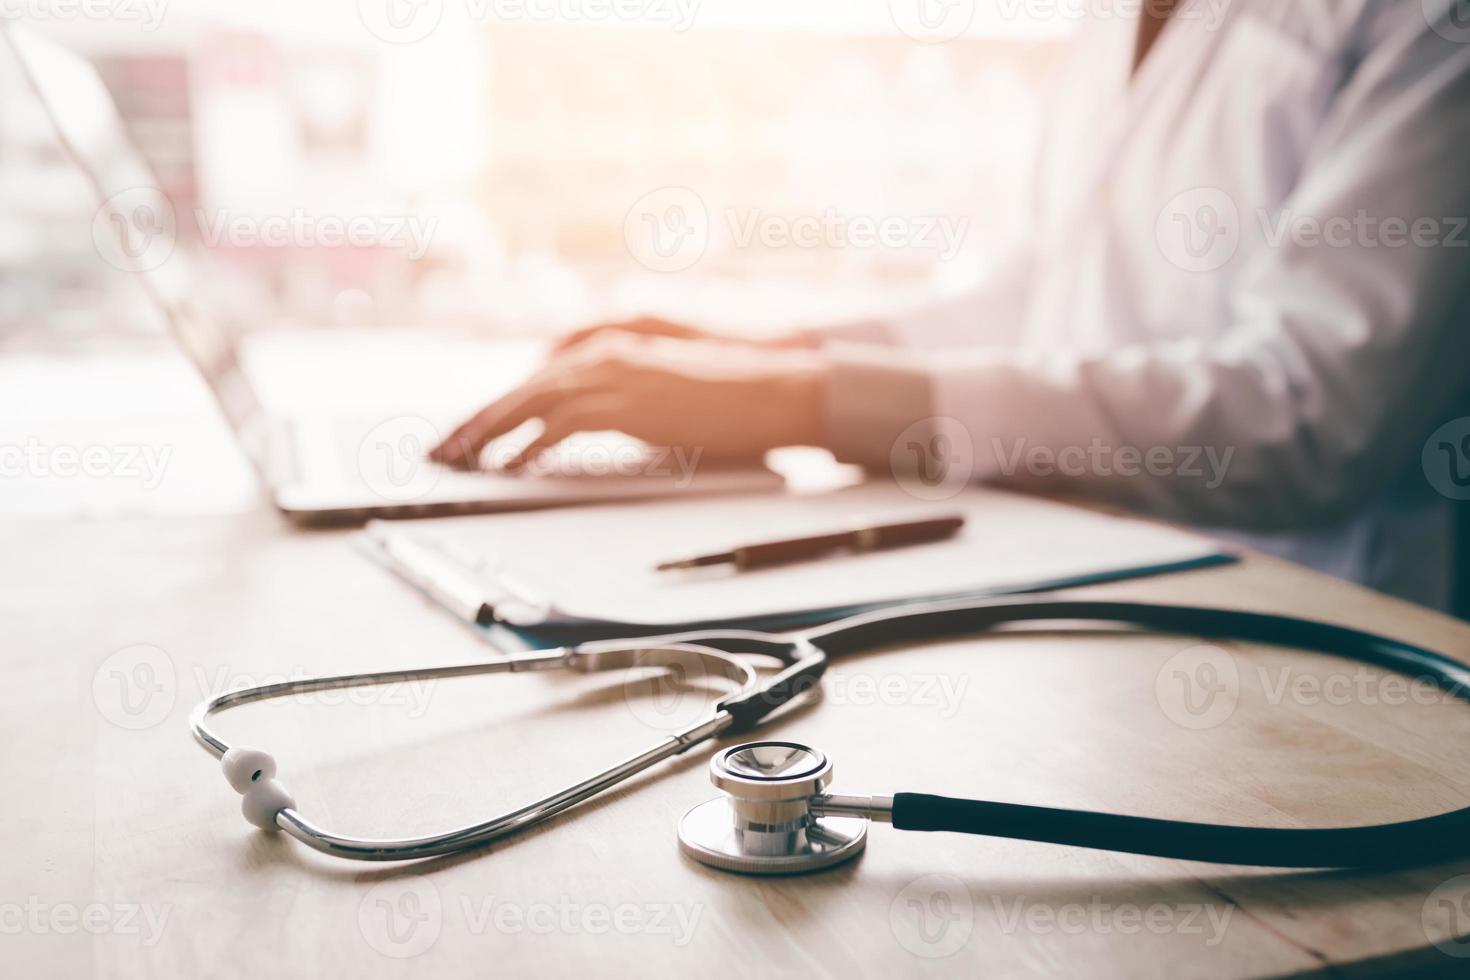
x=872 y=400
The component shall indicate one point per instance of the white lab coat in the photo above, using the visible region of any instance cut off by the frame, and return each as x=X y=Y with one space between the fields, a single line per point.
x=1187 y=281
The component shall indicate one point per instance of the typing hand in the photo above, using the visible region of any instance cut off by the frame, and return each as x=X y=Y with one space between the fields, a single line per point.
x=728 y=402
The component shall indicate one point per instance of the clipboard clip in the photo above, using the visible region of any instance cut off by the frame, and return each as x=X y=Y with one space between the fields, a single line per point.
x=468 y=585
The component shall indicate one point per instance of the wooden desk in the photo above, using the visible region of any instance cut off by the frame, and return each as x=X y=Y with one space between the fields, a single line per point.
x=124 y=854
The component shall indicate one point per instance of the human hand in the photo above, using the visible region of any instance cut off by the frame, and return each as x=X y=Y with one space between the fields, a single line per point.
x=727 y=402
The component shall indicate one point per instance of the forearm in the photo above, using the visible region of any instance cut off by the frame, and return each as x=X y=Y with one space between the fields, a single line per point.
x=1217 y=434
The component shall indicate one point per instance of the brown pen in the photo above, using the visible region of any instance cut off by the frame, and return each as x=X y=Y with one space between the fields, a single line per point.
x=870 y=538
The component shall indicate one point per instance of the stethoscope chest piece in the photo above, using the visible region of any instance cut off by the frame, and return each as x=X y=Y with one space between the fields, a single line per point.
x=765 y=824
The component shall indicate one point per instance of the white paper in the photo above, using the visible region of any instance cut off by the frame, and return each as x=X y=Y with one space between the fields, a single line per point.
x=599 y=562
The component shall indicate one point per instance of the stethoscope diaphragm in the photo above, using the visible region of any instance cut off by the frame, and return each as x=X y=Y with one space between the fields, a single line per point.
x=764 y=824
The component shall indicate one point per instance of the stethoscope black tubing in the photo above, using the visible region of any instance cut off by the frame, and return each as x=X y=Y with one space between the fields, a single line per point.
x=1385 y=845
x=876 y=630
x=1409 y=842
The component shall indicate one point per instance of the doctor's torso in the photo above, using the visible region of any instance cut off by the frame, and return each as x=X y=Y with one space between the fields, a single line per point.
x=1160 y=196
x=1154 y=190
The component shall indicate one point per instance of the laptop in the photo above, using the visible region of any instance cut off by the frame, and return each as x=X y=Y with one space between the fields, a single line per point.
x=320 y=468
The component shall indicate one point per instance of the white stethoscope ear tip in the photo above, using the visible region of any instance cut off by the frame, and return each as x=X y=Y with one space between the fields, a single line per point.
x=252 y=774
x=244 y=766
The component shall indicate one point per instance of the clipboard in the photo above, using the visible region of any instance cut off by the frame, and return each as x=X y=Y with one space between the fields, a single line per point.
x=479 y=569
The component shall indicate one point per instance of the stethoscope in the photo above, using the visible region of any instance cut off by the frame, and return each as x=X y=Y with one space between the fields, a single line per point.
x=775 y=815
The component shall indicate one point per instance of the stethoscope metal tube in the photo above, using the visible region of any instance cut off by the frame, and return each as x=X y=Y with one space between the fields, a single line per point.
x=508 y=823
x=266 y=803
x=777 y=817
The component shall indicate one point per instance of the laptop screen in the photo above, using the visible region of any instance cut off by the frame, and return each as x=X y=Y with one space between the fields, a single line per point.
x=136 y=226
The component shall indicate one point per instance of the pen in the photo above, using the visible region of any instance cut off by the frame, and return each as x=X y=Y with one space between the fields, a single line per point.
x=869 y=538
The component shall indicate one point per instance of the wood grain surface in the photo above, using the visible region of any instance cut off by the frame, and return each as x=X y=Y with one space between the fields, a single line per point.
x=125 y=855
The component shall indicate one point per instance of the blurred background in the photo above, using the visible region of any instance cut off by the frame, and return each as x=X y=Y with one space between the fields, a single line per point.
x=482 y=169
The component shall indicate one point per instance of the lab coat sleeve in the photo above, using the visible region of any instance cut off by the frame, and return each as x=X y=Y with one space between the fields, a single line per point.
x=1337 y=360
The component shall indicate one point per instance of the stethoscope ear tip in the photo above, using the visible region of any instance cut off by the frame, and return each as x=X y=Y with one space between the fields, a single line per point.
x=252 y=773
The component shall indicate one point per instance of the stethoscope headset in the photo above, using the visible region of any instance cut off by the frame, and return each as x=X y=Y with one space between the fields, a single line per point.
x=775 y=815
